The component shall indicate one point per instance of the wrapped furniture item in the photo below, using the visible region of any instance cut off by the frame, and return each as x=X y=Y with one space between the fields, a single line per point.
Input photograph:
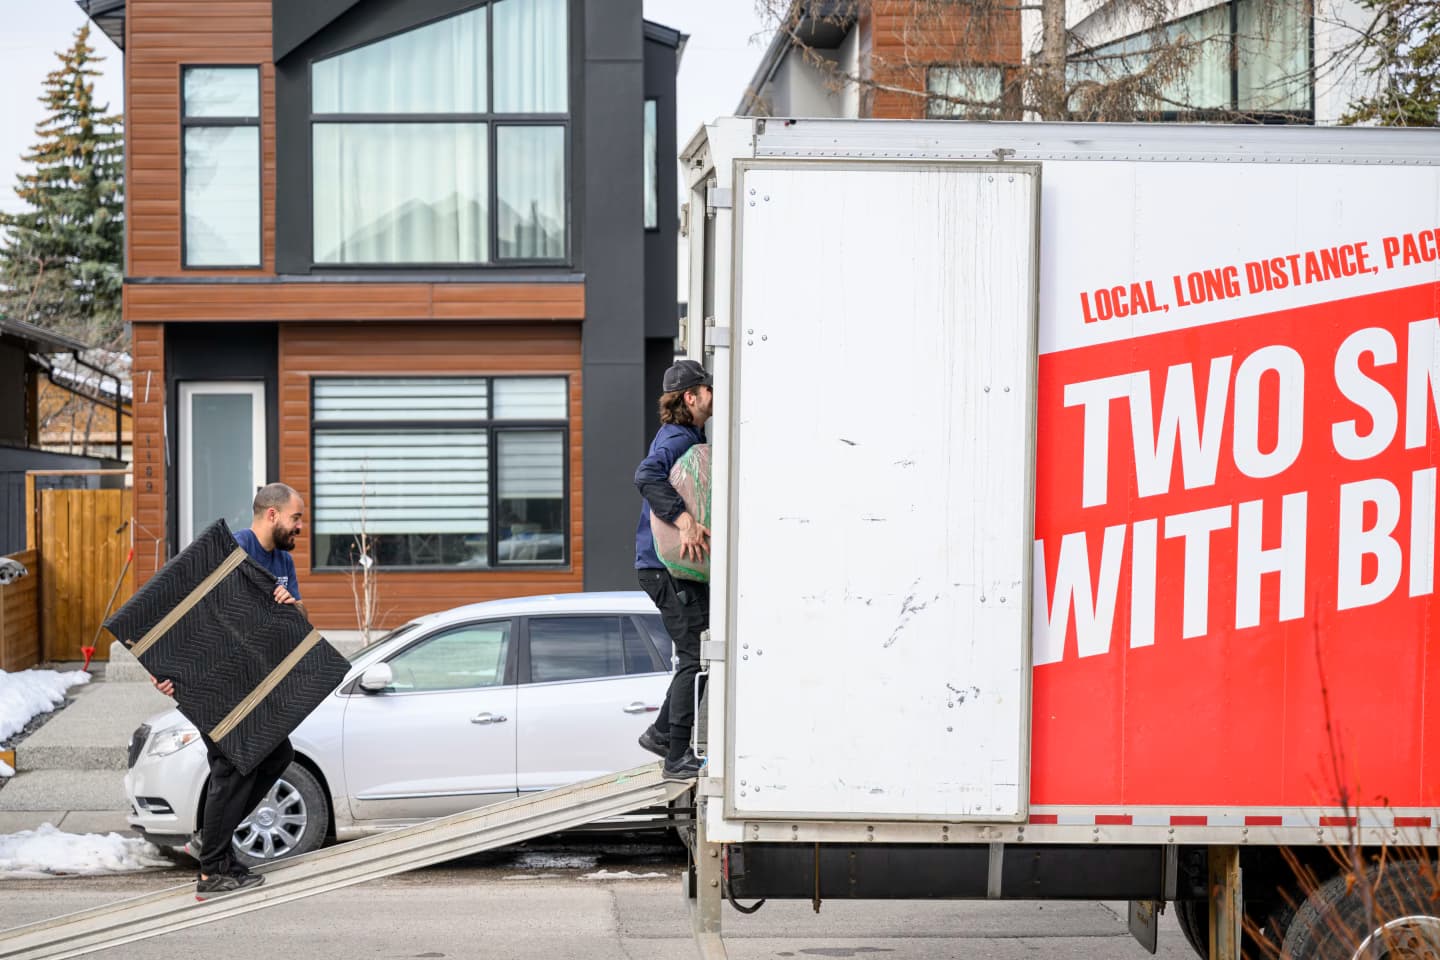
x=691 y=479
x=246 y=669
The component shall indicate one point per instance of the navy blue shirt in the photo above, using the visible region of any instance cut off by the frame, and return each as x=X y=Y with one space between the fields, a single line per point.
x=277 y=561
x=652 y=477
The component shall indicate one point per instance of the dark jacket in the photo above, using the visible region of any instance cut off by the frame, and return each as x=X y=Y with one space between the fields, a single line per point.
x=652 y=478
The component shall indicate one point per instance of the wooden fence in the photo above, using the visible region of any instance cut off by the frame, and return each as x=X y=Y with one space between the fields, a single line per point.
x=84 y=538
x=20 y=617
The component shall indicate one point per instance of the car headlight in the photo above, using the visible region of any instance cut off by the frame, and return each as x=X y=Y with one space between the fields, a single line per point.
x=171 y=740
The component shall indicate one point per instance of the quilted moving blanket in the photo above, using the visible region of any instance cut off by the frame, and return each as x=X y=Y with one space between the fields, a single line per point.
x=691 y=479
x=246 y=669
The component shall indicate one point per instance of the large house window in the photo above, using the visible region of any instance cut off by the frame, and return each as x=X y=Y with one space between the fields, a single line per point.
x=220 y=121
x=964 y=93
x=446 y=144
x=1245 y=57
x=459 y=472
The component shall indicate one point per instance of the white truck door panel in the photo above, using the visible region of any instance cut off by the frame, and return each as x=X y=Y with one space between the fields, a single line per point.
x=880 y=536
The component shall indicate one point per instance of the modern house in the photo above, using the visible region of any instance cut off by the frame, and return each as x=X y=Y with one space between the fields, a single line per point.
x=414 y=258
x=1273 y=61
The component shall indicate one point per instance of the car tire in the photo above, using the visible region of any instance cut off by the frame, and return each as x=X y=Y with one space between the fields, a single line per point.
x=294 y=818
x=1333 y=923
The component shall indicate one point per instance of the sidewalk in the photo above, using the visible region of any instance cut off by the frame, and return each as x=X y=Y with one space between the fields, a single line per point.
x=70 y=772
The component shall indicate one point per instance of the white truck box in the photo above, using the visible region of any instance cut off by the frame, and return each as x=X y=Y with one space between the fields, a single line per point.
x=1072 y=483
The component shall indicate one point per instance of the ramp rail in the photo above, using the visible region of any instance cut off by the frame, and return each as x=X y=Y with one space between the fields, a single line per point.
x=345 y=864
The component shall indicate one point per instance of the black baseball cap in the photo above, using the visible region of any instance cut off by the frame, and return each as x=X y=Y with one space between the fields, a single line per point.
x=685 y=375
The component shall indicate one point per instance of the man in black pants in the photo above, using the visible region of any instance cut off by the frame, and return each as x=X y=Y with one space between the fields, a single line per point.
x=685 y=405
x=279 y=514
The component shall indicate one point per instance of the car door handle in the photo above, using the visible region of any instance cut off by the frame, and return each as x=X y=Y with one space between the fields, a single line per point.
x=639 y=707
x=489 y=718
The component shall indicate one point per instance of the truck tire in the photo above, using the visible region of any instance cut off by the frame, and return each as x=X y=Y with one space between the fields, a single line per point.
x=1333 y=925
x=1194 y=919
x=1193 y=916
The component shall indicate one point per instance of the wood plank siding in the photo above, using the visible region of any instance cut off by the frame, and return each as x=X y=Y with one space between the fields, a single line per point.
x=904 y=38
x=249 y=302
x=147 y=346
x=161 y=35
x=329 y=349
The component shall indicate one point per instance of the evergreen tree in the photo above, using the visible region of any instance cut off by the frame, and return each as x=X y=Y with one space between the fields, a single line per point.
x=1403 y=51
x=61 y=259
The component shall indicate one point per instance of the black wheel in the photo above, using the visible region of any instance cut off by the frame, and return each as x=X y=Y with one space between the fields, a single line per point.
x=1334 y=924
x=292 y=819
x=1194 y=919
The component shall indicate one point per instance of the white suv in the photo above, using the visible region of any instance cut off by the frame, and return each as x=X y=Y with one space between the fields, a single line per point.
x=449 y=712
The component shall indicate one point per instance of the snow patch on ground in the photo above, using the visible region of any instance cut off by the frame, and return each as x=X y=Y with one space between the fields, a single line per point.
x=6 y=770
x=26 y=694
x=622 y=875
x=546 y=860
x=47 y=852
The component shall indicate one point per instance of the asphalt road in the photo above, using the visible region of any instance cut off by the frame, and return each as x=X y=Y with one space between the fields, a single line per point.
x=539 y=904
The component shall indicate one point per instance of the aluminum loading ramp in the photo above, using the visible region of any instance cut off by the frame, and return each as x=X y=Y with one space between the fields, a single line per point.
x=346 y=864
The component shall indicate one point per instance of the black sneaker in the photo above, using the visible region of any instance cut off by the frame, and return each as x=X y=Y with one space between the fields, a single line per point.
x=224 y=883
x=656 y=744
x=680 y=771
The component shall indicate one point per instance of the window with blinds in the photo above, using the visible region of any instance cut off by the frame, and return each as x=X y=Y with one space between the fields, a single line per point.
x=456 y=472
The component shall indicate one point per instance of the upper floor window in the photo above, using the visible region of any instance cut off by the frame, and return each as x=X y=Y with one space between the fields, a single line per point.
x=1248 y=57
x=964 y=93
x=446 y=144
x=220 y=120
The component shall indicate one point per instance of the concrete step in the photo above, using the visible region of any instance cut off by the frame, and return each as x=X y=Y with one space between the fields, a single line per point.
x=68 y=790
x=93 y=732
x=70 y=821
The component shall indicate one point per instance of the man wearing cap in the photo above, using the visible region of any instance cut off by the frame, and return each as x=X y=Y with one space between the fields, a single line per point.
x=684 y=605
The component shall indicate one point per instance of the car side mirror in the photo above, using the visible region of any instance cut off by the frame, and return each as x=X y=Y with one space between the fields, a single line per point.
x=377 y=678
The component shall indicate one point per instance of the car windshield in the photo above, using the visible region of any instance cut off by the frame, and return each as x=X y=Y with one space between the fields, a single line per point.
x=397 y=632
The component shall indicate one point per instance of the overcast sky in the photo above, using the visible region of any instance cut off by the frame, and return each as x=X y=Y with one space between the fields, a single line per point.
x=720 y=57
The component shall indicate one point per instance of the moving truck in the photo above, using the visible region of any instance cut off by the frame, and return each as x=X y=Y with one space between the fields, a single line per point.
x=1102 y=564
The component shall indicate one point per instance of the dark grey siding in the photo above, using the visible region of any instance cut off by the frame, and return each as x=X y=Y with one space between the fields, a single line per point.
x=661 y=307
x=13 y=428
x=610 y=126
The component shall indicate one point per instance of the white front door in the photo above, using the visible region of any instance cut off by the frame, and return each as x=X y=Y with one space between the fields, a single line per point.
x=595 y=684
x=222 y=453
x=441 y=739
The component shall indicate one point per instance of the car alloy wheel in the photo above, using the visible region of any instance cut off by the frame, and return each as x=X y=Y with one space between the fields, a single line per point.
x=276 y=825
